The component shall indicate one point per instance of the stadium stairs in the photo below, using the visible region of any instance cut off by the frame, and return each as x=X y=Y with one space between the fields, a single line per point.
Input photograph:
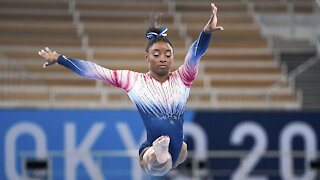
x=240 y=70
x=307 y=81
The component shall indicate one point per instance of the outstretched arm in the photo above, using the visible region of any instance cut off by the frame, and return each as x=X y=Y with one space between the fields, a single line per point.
x=119 y=78
x=189 y=69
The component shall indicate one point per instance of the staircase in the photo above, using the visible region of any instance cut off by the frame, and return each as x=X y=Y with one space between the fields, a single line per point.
x=308 y=81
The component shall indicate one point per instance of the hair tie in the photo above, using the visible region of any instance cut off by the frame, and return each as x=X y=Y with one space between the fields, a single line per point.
x=153 y=34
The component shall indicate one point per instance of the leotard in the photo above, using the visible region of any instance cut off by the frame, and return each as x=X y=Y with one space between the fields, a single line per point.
x=161 y=105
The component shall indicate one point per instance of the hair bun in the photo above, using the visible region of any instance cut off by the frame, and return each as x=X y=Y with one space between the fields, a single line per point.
x=155 y=32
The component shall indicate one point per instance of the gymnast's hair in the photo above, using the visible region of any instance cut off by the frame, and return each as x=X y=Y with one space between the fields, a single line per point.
x=155 y=34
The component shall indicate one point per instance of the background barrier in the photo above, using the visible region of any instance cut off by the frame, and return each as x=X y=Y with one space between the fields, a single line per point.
x=97 y=144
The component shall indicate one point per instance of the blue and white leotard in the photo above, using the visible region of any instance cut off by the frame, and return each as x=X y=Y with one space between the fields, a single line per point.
x=161 y=105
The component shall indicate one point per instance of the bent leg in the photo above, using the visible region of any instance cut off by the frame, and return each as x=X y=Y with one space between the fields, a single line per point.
x=182 y=156
x=156 y=160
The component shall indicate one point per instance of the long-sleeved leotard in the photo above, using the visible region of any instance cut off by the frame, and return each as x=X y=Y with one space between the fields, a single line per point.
x=161 y=105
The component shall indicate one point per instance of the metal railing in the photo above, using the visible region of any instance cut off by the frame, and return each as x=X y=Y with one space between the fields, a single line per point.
x=291 y=78
x=194 y=170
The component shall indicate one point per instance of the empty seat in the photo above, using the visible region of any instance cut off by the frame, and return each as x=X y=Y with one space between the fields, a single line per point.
x=90 y=18
x=35 y=5
x=80 y=82
x=29 y=54
x=128 y=7
x=37 y=18
x=270 y=8
x=31 y=96
x=243 y=83
x=122 y=31
x=74 y=97
x=239 y=57
x=184 y=7
x=38 y=29
x=223 y=20
x=262 y=44
x=107 y=42
x=257 y=98
x=243 y=70
x=40 y=41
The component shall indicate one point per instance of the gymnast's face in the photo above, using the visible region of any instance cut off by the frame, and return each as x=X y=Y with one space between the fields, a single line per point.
x=160 y=57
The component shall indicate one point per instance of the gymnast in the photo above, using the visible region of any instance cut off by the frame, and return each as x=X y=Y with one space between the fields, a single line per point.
x=159 y=95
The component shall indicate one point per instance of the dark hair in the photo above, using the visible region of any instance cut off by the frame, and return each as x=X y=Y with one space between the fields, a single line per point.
x=156 y=39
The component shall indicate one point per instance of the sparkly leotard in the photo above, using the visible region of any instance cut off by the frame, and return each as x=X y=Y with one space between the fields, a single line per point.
x=161 y=105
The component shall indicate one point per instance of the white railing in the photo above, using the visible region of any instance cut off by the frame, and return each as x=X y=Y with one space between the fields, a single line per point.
x=291 y=78
x=193 y=172
x=135 y=172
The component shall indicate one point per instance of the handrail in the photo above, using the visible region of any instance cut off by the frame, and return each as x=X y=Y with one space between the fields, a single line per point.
x=195 y=168
x=291 y=76
x=303 y=67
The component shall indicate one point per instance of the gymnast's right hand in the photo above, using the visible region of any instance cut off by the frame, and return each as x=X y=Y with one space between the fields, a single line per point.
x=50 y=56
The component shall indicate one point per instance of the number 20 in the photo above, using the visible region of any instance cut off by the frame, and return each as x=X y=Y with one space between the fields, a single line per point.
x=258 y=133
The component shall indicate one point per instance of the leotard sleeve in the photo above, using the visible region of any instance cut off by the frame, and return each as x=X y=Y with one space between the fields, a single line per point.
x=119 y=78
x=189 y=70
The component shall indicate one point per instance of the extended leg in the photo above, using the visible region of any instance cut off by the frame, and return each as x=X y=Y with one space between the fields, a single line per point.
x=156 y=159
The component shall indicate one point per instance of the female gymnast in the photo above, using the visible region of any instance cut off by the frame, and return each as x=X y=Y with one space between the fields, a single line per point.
x=160 y=95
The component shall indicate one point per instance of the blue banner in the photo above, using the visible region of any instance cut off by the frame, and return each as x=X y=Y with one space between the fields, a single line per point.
x=47 y=133
x=279 y=133
x=103 y=144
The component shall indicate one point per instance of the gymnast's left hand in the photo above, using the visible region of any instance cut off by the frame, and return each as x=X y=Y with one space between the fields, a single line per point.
x=50 y=56
x=212 y=23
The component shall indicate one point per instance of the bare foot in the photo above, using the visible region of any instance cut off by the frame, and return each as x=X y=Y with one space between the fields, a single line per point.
x=161 y=146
